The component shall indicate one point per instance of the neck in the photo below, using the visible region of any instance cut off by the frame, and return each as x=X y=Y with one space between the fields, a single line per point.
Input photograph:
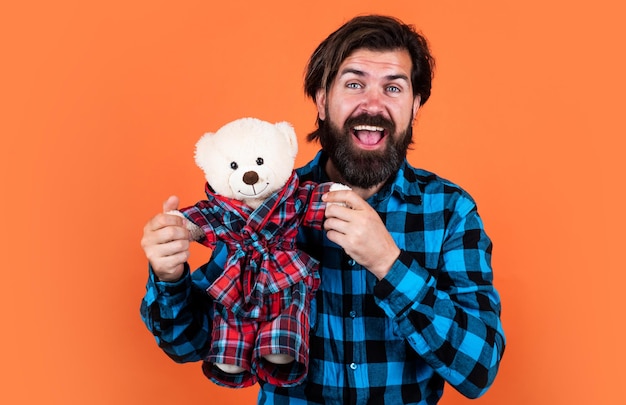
x=335 y=176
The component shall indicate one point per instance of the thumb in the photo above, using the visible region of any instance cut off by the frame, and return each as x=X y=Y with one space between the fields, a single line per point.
x=170 y=204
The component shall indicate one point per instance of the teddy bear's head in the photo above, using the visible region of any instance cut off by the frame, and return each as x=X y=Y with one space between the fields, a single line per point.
x=248 y=159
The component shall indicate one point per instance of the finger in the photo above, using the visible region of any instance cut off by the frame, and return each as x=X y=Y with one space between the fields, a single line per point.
x=160 y=221
x=171 y=203
x=334 y=196
x=154 y=237
x=337 y=225
x=334 y=210
x=171 y=248
x=354 y=201
x=338 y=238
x=341 y=211
x=171 y=233
x=346 y=198
x=168 y=254
x=169 y=267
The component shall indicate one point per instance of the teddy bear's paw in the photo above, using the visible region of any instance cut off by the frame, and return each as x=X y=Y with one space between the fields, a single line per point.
x=339 y=186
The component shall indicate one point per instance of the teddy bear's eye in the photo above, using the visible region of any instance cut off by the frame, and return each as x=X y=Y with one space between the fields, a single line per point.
x=234 y=165
x=259 y=161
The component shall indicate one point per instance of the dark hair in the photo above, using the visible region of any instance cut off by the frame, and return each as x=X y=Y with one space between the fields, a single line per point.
x=373 y=32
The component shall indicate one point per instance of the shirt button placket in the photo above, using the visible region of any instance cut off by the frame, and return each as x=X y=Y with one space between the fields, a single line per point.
x=352 y=323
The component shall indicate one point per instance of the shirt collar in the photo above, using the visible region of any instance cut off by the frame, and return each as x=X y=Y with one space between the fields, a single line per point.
x=405 y=185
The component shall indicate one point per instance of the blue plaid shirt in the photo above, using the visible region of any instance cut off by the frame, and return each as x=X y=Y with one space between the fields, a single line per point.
x=434 y=318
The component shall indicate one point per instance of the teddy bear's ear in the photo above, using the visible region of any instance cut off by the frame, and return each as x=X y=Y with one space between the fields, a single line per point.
x=203 y=147
x=290 y=134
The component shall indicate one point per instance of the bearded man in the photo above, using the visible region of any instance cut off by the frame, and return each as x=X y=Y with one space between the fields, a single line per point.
x=406 y=301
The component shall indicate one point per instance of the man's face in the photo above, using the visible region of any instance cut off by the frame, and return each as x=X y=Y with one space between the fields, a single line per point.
x=367 y=115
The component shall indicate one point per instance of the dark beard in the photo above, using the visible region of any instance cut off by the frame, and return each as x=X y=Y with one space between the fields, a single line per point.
x=364 y=169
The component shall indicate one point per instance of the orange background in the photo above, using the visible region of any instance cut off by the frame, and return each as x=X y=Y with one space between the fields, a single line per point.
x=102 y=103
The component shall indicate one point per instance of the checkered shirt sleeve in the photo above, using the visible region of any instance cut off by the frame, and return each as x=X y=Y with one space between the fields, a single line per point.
x=179 y=314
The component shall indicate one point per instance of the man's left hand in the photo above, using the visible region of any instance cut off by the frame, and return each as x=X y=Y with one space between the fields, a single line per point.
x=355 y=226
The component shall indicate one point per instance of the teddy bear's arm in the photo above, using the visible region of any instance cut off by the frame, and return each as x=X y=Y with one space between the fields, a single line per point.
x=314 y=214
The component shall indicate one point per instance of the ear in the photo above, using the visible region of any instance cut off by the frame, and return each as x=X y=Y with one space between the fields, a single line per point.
x=320 y=103
x=203 y=146
x=287 y=130
x=416 y=105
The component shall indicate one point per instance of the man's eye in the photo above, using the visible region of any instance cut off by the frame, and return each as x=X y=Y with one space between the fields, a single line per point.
x=393 y=89
x=353 y=86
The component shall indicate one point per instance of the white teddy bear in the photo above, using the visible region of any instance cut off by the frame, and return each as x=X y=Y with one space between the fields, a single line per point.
x=255 y=205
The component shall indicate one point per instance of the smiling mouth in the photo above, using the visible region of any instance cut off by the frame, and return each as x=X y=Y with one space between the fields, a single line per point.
x=368 y=135
x=255 y=192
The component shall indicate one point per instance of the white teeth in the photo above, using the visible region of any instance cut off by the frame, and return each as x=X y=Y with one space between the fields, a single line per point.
x=368 y=128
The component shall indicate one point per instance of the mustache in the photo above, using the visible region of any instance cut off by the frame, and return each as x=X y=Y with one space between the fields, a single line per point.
x=373 y=120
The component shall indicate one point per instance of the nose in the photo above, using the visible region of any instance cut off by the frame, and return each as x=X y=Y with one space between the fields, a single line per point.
x=250 y=177
x=372 y=102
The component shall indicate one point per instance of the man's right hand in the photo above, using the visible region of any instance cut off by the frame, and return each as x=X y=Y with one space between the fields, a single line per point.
x=166 y=243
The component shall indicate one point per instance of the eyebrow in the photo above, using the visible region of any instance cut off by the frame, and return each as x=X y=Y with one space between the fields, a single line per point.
x=361 y=73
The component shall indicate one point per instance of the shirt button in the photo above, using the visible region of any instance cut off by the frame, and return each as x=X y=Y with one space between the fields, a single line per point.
x=352 y=314
x=353 y=366
x=351 y=262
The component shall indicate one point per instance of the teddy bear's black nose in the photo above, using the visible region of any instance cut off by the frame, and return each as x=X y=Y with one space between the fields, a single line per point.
x=250 y=178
